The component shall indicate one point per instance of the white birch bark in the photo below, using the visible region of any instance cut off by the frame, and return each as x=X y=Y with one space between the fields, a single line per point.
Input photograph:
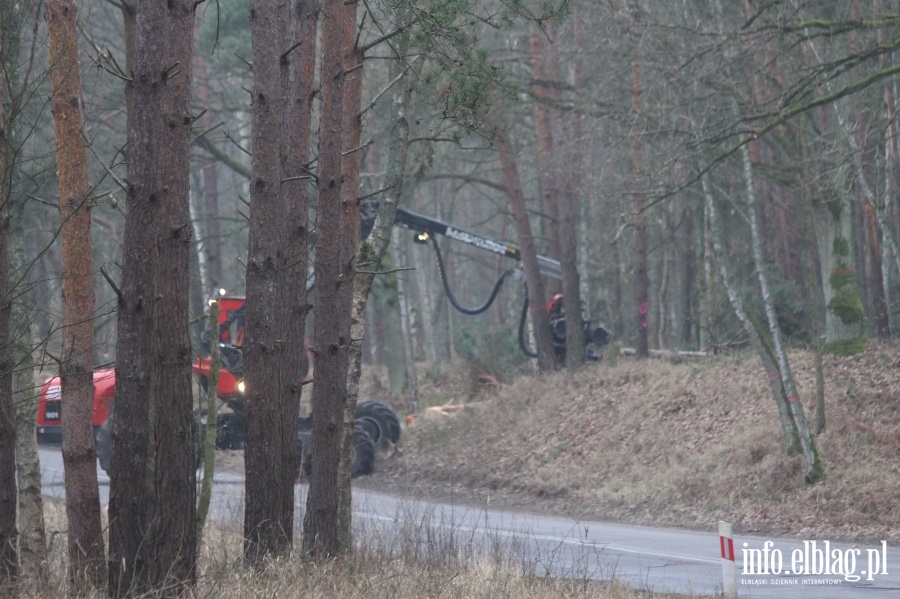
x=203 y=267
x=790 y=440
x=33 y=564
x=409 y=359
x=813 y=465
x=776 y=348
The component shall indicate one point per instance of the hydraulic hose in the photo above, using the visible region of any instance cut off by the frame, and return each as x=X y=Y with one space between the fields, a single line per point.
x=452 y=298
x=522 y=320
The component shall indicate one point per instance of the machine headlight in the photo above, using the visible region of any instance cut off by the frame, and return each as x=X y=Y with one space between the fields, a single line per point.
x=241 y=387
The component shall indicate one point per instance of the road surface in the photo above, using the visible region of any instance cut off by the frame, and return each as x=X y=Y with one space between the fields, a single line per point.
x=658 y=559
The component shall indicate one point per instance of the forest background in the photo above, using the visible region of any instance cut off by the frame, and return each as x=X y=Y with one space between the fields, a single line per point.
x=711 y=175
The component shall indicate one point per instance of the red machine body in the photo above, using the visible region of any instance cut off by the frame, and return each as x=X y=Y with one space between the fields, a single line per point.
x=49 y=416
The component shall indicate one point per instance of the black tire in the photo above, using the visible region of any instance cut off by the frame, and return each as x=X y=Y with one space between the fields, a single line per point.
x=362 y=456
x=376 y=416
x=229 y=431
x=373 y=426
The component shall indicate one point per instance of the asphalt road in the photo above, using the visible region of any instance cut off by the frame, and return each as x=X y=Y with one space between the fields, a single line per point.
x=658 y=559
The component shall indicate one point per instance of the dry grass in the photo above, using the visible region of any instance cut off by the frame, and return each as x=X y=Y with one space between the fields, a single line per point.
x=644 y=442
x=398 y=569
x=680 y=444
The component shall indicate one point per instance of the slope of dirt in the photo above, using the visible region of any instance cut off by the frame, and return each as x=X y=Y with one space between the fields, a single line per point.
x=656 y=442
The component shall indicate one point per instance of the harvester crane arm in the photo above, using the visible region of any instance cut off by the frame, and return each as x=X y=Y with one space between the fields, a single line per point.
x=426 y=227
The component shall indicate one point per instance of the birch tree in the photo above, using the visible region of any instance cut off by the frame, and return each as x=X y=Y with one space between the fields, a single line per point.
x=19 y=298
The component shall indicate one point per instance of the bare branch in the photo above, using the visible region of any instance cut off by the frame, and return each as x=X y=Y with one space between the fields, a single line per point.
x=112 y=283
x=379 y=40
x=236 y=165
x=291 y=49
x=387 y=87
x=122 y=185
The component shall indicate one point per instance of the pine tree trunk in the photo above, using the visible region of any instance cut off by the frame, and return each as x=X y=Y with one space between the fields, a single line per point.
x=876 y=275
x=337 y=223
x=352 y=135
x=153 y=481
x=274 y=346
x=85 y=539
x=544 y=68
x=533 y=281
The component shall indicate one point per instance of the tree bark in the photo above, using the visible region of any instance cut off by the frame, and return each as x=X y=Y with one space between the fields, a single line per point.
x=9 y=563
x=352 y=135
x=533 y=281
x=33 y=562
x=153 y=488
x=641 y=270
x=844 y=323
x=544 y=68
x=337 y=223
x=212 y=240
x=814 y=470
x=790 y=439
x=844 y=314
x=208 y=437
x=85 y=539
x=876 y=275
x=275 y=348
x=559 y=195
x=409 y=354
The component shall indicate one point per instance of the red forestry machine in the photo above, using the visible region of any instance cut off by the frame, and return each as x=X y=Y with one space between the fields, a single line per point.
x=377 y=425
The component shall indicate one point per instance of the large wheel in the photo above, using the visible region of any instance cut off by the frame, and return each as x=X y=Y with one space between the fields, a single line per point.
x=380 y=421
x=362 y=456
